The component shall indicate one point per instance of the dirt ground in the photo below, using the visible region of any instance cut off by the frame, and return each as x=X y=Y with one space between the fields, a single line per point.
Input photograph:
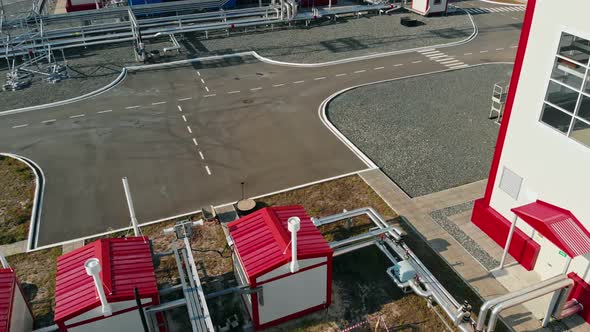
x=16 y=199
x=36 y=273
x=361 y=293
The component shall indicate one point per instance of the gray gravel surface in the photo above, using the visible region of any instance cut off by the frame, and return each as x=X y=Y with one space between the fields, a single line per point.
x=93 y=68
x=345 y=38
x=441 y=218
x=426 y=133
x=90 y=69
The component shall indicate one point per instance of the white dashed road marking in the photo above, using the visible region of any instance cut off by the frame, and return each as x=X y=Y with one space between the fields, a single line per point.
x=359 y=71
x=189 y=129
x=459 y=66
x=20 y=126
x=195 y=141
x=207 y=88
x=319 y=78
x=105 y=111
x=232 y=92
x=298 y=82
x=179 y=108
x=338 y=75
x=131 y=107
x=183 y=99
x=76 y=116
x=468 y=54
x=202 y=81
x=159 y=103
x=484 y=51
x=211 y=95
x=417 y=61
x=500 y=49
x=49 y=121
x=378 y=68
x=398 y=65
x=208 y=170
x=199 y=73
x=201 y=155
x=256 y=89
x=277 y=85
x=184 y=118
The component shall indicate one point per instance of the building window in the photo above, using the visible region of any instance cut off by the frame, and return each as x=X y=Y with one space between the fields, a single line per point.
x=567 y=102
x=437 y=2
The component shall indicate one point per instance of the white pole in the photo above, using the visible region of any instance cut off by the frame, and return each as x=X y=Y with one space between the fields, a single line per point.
x=92 y=266
x=567 y=264
x=293 y=224
x=508 y=241
x=131 y=209
x=3 y=261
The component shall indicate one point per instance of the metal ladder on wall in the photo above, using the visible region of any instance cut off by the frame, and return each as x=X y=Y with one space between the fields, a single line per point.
x=498 y=101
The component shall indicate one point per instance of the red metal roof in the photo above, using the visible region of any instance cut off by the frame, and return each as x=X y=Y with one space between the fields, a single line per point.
x=126 y=263
x=262 y=239
x=7 y=289
x=558 y=225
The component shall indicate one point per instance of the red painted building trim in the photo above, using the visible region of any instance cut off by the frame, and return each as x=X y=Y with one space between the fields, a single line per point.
x=520 y=53
x=524 y=249
x=581 y=292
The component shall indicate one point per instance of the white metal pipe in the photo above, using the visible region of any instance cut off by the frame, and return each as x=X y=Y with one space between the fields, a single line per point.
x=92 y=266
x=131 y=208
x=200 y=292
x=293 y=224
x=3 y=261
x=481 y=318
x=508 y=241
x=563 y=283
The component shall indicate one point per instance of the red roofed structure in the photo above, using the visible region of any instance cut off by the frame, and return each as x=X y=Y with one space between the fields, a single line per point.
x=15 y=314
x=262 y=256
x=126 y=263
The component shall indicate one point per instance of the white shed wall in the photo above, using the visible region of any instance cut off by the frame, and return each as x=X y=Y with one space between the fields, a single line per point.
x=420 y=5
x=111 y=321
x=127 y=322
x=553 y=166
x=294 y=293
x=21 y=319
x=437 y=8
x=285 y=268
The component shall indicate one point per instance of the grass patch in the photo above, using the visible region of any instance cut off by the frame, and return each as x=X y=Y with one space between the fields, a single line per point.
x=16 y=199
x=36 y=273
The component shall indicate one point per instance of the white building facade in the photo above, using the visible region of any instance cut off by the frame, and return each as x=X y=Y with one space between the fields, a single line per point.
x=543 y=148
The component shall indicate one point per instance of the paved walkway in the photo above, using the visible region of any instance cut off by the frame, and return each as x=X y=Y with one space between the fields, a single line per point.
x=443 y=218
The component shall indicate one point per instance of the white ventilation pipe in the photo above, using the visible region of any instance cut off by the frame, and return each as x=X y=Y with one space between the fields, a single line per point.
x=134 y=222
x=294 y=226
x=92 y=266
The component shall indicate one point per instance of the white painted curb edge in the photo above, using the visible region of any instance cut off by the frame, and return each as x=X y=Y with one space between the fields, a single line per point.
x=504 y=4
x=197 y=211
x=363 y=157
x=97 y=92
x=37 y=200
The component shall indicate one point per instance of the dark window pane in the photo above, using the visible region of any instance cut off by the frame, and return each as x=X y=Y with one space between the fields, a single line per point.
x=556 y=118
x=581 y=132
x=584 y=111
x=562 y=96
x=568 y=72
x=575 y=48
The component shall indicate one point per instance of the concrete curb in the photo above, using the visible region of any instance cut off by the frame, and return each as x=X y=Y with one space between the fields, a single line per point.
x=324 y=118
x=254 y=54
x=37 y=200
x=374 y=56
x=97 y=92
x=504 y=4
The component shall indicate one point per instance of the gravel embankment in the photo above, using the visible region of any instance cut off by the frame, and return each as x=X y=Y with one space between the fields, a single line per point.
x=427 y=133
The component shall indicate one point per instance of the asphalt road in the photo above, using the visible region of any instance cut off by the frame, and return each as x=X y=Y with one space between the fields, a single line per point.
x=186 y=137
